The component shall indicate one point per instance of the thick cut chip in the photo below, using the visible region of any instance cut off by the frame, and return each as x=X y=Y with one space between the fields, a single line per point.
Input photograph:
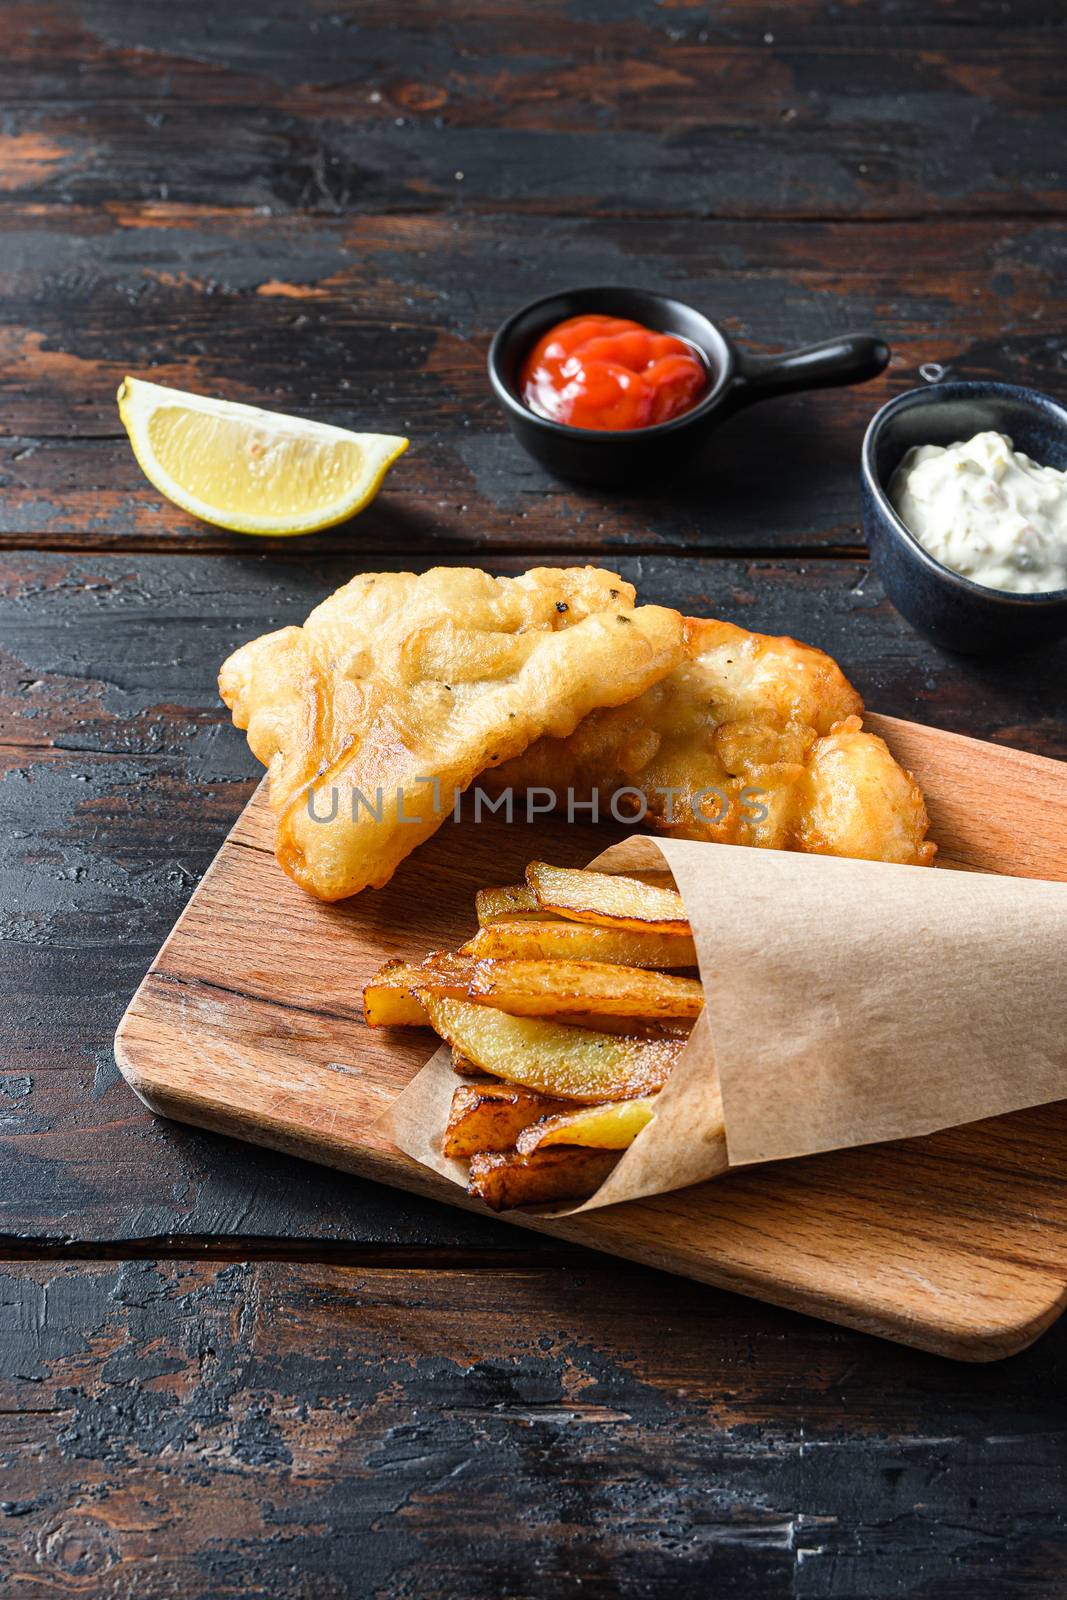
x=517 y=900
x=507 y=1179
x=541 y=988
x=583 y=989
x=401 y=688
x=558 y=940
x=394 y=997
x=610 y=1127
x=490 y=1116
x=510 y=900
x=550 y=1057
x=389 y=1000
x=634 y=1027
x=607 y=899
x=731 y=748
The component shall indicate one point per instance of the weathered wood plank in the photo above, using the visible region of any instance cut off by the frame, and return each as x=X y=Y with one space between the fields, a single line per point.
x=246 y=1429
x=384 y=323
x=121 y=777
x=646 y=109
x=110 y=53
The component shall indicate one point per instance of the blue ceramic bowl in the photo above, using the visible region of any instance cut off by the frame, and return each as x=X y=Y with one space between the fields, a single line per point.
x=952 y=611
x=655 y=455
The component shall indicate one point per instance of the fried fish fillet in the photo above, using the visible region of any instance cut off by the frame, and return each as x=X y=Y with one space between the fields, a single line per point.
x=401 y=688
x=753 y=740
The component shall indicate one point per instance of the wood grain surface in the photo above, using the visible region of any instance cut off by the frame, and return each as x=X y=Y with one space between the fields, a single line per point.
x=293 y=1430
x=249 y=1023
x=266 y=202
x=335 y=318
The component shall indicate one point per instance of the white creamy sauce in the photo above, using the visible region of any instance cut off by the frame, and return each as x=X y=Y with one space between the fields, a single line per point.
x=987 y=511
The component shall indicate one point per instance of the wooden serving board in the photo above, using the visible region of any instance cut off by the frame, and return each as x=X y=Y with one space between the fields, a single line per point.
x=250 y=1023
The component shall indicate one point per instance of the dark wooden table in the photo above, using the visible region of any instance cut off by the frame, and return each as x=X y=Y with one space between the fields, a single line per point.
x=227 y=1374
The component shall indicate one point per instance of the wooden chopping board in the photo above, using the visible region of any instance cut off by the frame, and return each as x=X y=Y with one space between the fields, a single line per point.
x=249 y=1023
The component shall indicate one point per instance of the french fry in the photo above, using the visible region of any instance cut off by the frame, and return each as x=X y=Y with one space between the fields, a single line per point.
x=517 y=900
x=532 y=939
x=659 y=878
x=490 y=1116
x=506 y=1179
x=510 y=900
x=531 y=989
x=389 y=1000
x=551 y=1058
x=611 y=901
x=549 y=1104
x=613 y=1126
x=553 y=988
x=632 y=1027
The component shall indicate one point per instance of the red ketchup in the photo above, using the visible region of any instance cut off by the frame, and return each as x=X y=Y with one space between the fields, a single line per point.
x=609 y=372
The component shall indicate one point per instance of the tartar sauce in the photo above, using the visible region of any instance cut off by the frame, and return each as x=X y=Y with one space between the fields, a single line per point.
x=987 y=511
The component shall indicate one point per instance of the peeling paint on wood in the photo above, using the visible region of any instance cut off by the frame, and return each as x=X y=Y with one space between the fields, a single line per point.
x=202 y=1430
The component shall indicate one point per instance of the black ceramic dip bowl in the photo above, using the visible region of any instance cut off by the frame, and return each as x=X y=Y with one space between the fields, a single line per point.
x=951 y=610
x=656 y=454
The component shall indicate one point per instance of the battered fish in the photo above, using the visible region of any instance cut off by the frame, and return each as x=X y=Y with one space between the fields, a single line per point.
x=401 y=688
x=753 y=740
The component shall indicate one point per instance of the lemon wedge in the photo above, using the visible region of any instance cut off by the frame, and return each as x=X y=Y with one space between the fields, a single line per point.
x=249 y=470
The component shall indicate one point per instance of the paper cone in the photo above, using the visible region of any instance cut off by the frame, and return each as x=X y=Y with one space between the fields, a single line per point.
x=846 y=1003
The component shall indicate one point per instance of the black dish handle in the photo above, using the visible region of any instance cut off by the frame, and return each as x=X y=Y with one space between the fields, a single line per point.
x=852 y=358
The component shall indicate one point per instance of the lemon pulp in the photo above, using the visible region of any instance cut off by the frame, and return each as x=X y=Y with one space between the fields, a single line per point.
x=250 y=470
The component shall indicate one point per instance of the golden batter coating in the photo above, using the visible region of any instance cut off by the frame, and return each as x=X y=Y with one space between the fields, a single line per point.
x=401 y=688
x=753 y=740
